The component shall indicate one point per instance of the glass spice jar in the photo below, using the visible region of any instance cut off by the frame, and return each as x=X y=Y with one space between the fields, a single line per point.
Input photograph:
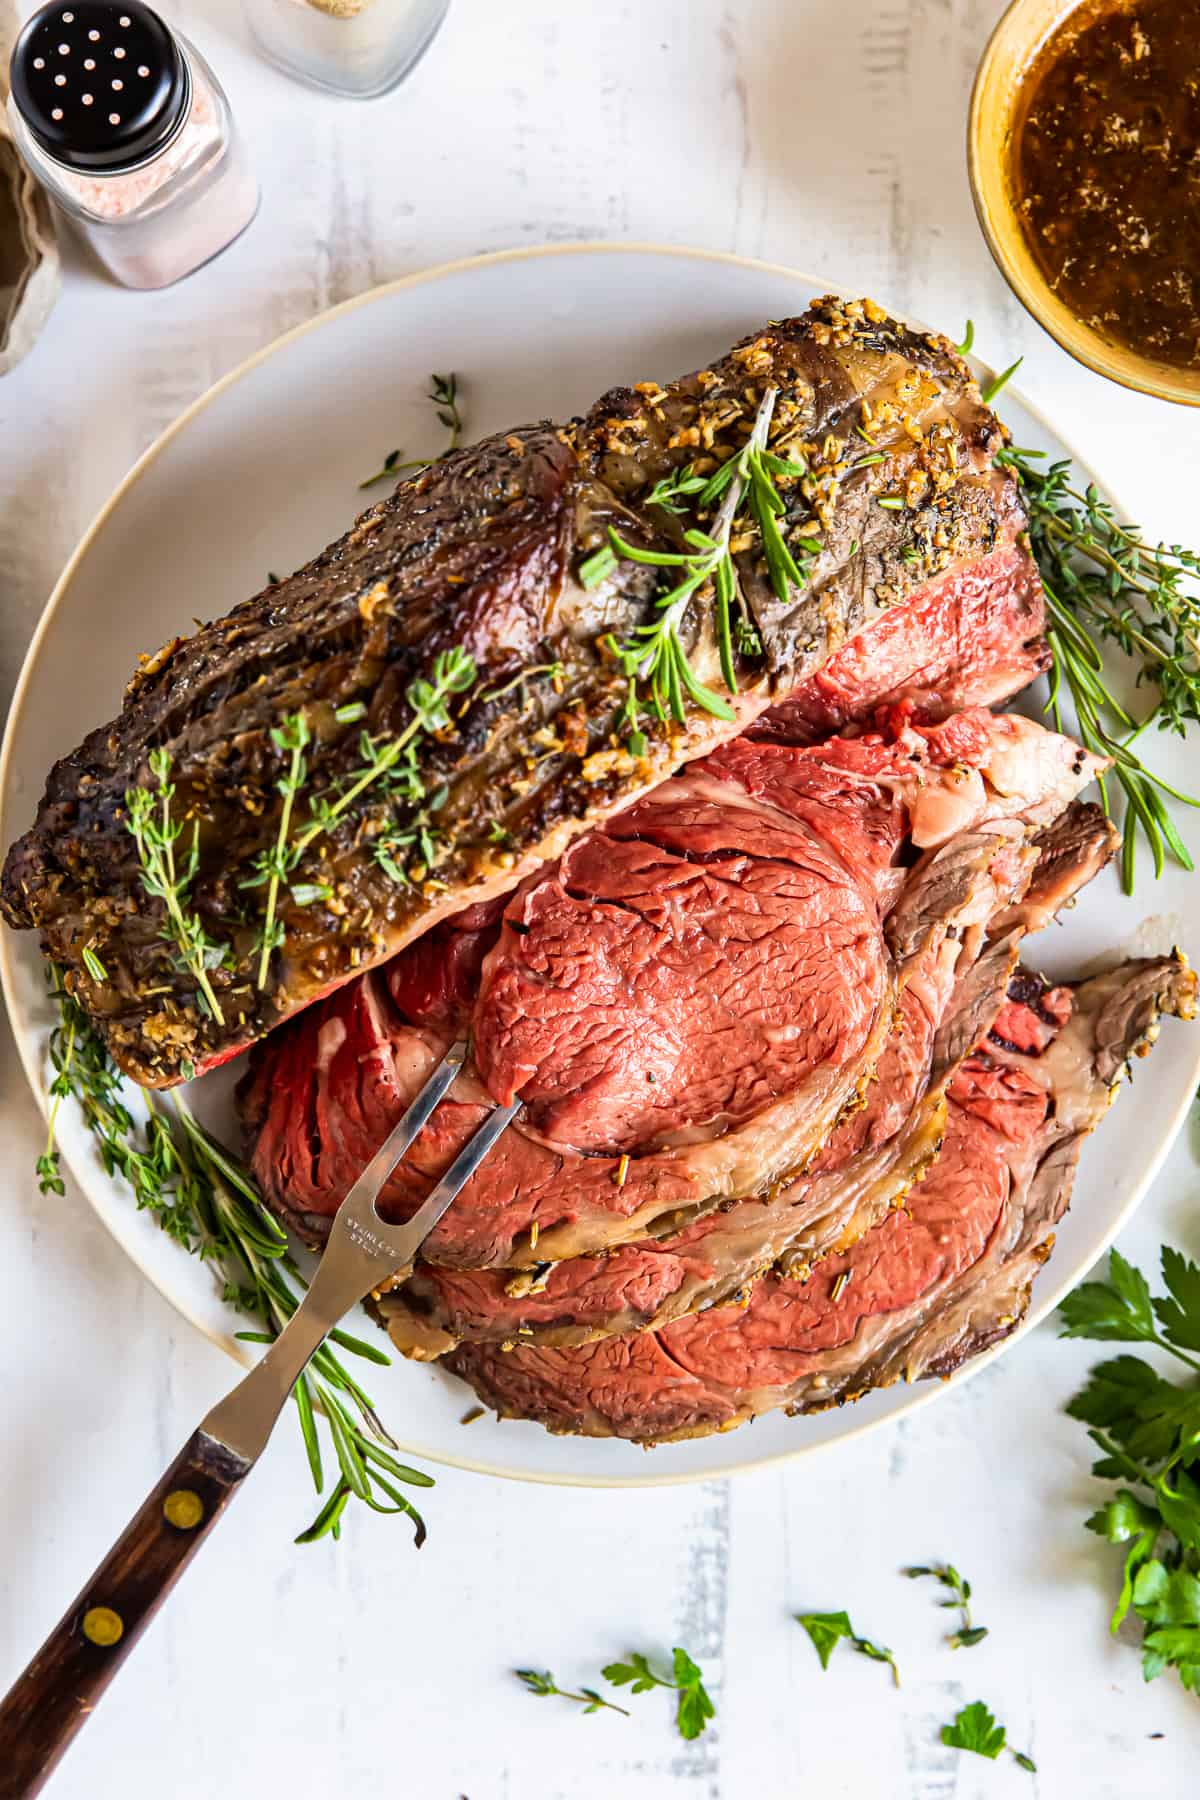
x=128 y=129
x=356 y=48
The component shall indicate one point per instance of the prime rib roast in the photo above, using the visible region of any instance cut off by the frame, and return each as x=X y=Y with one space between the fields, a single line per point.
x=794 y=1122
x=482 y=552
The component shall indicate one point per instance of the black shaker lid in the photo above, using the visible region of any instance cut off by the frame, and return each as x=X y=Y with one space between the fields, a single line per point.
x=101 y=87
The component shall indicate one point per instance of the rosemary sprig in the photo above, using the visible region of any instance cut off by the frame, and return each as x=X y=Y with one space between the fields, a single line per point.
x=156 y=833
x=275 y=865
x=443 y=391
x=201 y=1195
x=1104 y=583
x=654 y=660
x=393 y=760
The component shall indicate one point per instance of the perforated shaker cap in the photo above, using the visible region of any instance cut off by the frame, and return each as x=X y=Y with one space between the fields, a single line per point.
x=101 y=88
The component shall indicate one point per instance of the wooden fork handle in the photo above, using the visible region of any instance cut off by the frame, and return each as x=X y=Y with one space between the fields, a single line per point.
x=48 y=1703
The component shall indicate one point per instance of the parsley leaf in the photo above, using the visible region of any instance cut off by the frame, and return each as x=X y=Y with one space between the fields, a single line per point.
x=1117 y=1309
x=1148 y=1429
x=828 y=1629
x=974 y=1728
x=1180 y=1315
x=694 y=1707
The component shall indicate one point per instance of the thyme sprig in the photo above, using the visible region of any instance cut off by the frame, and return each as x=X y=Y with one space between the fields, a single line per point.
x=968 y=1633
x=542 y=1683
x=653 y=659
x=392 y=761
x=443 y=392
x=274 y=866
x=169 y=878
x=201 y=1195
x=1105 y=584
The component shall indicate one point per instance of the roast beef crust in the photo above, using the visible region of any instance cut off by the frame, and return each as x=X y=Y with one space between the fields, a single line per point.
x=481 y=551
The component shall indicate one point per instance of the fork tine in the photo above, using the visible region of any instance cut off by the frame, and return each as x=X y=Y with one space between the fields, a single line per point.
x=406 y=1130
x=418 y=1228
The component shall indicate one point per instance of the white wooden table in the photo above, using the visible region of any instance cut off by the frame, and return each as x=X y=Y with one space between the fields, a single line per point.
x=825 y=133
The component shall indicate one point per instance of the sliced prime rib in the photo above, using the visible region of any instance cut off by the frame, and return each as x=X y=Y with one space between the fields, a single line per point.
x=865 y=1169
x=946 y=1003
x=481 y=553
x=925 y=1289
x=973 y=637
x=709 y=969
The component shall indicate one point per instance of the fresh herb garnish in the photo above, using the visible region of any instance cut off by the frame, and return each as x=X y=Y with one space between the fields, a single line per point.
x=967 y=1634
x=654 y=660
x=694 y=1707
x=156 y=833
x=542 y=1683
x=828 y=1629
x=1103 y=582
x=276 y=864
x=1148 y=1430
x=443 y=391
x=392 y=761
x=999 y=382
x=62 y=1061
x=92 y=964
x=201 y=1195
x=975 y=1728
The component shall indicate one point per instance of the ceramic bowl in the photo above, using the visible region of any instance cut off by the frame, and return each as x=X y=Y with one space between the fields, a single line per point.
x=1006 y=63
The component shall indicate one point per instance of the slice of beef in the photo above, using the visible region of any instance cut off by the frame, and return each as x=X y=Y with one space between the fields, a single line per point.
x=928 y=1287
x=1071 y=851
x=946 y=1002
x=972 y=638
x=746 y=933
x=481 y=553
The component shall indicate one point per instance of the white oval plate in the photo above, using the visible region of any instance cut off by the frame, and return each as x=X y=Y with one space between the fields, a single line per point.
x=260 y=474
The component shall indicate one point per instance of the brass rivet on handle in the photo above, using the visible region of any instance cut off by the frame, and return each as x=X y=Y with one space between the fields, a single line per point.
x=103 y=1627
x=183 y=1509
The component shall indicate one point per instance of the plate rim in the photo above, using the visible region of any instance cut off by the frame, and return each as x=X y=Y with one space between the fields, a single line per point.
x=1049 y=1295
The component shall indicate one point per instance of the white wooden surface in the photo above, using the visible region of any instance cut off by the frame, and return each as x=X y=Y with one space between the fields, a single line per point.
x=824 y=132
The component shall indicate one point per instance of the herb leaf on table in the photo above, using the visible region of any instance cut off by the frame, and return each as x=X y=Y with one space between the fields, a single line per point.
x=694 y=1707
x=968 y=1634
x=1147 y=1428
x=542 y=1683
x=974 y=1728
x=828 y=1629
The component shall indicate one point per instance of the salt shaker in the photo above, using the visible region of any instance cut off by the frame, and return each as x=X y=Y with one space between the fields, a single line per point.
x=357 y=48
x=127 y=127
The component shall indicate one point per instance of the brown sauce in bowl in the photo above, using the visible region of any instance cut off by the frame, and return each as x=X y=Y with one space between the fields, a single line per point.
x=1106 y=172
